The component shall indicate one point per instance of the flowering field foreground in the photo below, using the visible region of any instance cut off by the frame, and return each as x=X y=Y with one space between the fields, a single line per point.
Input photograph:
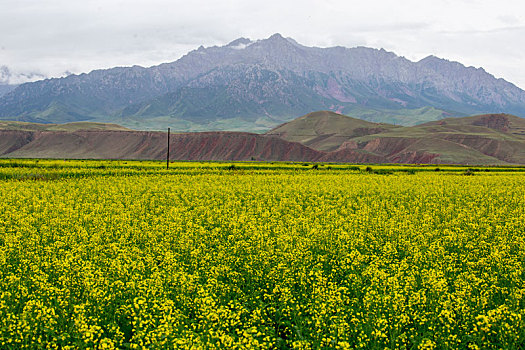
x=130 y=255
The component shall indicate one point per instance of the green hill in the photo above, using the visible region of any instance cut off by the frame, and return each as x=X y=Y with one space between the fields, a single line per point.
x=76 y=126
x=483 y=139
x=326 y=130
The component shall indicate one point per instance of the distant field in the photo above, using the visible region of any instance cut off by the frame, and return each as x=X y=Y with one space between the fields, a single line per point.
x=127 y=254
x=70 y=127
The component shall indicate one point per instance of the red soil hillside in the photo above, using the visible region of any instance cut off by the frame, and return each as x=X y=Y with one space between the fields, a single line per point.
x=150 y=145
x=487 y=139
x=234 y=146
x=237 y=146
x=484 y=139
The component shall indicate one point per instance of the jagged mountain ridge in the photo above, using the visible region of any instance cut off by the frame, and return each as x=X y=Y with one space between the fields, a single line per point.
x=259 y=84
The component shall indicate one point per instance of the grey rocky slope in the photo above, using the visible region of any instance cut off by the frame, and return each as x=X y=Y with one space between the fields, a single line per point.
x=253 y=85
x=5 y=88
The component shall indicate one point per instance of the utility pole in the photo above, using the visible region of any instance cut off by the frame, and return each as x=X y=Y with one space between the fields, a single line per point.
x=168 y=153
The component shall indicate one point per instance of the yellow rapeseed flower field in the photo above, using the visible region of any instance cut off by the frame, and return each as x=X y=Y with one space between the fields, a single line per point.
x=105 y=255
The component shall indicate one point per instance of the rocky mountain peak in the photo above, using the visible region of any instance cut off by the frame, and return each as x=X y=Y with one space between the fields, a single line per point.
x=430 y=59
x=277 y=40
x=276 y=37
x=240 y=43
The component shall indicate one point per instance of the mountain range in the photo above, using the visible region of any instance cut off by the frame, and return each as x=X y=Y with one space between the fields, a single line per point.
x=324 y=136
x=256 y=85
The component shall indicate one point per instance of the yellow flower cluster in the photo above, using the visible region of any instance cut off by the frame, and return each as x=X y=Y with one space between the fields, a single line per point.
x=105 y=255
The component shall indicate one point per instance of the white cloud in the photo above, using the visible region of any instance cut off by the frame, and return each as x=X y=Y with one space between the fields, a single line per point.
x=53 y=36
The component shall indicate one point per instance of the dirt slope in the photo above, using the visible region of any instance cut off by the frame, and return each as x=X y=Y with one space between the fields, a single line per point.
x=488 y=139
x=150 y=145
x=483 y=139
x=234 y=146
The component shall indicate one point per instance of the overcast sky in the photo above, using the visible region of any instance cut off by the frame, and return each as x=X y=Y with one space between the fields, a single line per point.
x=55 y=36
